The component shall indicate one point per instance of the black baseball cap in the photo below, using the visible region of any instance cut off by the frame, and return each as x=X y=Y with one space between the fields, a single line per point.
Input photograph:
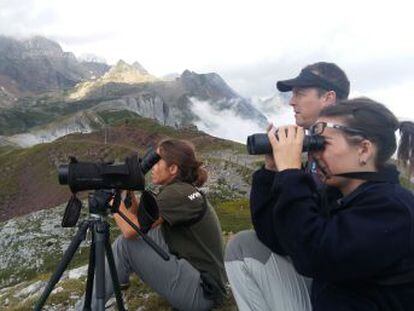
x=307 y=78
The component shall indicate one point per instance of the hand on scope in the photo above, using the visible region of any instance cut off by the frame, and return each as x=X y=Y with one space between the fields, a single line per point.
x=132 y=199
x=287 y=147
x=269 y=162
x=158 y=222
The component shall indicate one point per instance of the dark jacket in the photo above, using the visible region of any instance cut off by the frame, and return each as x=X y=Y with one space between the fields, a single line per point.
x=361 y=256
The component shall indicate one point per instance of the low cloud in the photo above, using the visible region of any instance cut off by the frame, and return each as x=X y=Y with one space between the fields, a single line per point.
x=226 y=124
x=275 y=109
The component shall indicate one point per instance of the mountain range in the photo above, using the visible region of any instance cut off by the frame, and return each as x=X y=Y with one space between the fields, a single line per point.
x=46 y=93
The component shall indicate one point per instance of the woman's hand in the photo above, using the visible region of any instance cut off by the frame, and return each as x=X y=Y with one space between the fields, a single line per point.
x=134 y=201
x=287 y=148
x=158 y=222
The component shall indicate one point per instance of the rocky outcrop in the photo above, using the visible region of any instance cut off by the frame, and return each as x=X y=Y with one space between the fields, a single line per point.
x=146 y=105
x=82 y=122
x=122 y=73
x=170 y=102
x=38 y=65
x=206 y=86
x=140 y=69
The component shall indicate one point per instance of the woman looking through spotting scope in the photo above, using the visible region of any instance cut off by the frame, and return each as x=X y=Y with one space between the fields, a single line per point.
x=187 y=229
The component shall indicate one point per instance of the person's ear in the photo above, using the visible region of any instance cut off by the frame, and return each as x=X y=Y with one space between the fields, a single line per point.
x=329 y=98
x=366 y=152
x=173 y=168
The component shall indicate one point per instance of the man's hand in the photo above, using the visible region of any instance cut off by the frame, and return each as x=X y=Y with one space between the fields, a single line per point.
x=269 y=162
x=287 y=147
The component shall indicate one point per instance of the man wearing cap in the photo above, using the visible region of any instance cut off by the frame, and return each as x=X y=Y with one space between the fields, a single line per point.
x=260 y=274
x=317 y=86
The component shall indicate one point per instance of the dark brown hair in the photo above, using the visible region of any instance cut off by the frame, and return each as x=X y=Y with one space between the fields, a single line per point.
x=182 y=154
x=378 y=124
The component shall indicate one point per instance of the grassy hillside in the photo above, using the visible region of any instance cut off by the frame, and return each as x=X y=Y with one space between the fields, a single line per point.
x=29 y=180
x=35 y=111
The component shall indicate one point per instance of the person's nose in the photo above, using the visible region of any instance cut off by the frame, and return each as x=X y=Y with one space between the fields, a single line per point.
x=292 y=101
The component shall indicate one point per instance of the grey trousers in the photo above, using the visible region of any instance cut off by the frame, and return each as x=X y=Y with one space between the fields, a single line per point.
x=176 y=279
x=262 y=280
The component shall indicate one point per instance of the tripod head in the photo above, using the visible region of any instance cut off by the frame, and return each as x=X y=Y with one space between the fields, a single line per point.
x=98 y=203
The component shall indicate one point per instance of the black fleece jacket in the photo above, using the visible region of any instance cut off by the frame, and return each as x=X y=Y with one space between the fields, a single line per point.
x=361 y=256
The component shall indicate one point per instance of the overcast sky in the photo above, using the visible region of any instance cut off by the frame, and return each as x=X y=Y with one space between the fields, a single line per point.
x=251 y=44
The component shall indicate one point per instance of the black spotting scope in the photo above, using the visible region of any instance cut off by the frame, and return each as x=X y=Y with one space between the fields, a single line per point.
x=129 y=175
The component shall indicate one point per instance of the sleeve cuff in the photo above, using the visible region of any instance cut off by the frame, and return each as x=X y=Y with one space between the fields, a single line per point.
x=287 y=177
x=264 y=175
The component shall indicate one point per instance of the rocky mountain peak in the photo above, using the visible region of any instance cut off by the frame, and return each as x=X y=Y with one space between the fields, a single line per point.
x=121 y=65
x=91 y=58
x=41 y=46
x=123 y=72
x=37 y=64
x=187 y=73
x=211 y=85
x=140 y=68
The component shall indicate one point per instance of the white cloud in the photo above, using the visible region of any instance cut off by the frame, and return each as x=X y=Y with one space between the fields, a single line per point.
x=398 y=98
x=251 y=43
x=275 y=109
x=224 y=123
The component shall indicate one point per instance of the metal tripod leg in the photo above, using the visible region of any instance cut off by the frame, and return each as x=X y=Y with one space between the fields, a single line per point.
x=114 y=274
x=100 y=235
x=90 y=277
x=100 y=246
x=67 y=257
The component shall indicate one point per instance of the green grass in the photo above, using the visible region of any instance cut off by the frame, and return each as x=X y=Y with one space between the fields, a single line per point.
x=405 y=182
x=234 y=215
x=32 y=111
x=117 y=117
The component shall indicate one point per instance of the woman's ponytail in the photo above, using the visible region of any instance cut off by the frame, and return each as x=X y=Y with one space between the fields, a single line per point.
x=202 y=176
x=405 y=152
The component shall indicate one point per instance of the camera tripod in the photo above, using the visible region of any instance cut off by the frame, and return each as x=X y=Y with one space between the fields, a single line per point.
x=97 y=224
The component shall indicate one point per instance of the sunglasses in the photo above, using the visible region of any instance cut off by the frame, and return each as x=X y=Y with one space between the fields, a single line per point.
x=319 y=127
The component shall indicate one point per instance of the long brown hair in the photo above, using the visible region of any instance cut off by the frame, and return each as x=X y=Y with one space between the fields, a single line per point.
x=182 y=154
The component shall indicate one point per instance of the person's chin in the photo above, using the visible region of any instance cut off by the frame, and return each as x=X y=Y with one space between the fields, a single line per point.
x=299 y=120
x=331 y=181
